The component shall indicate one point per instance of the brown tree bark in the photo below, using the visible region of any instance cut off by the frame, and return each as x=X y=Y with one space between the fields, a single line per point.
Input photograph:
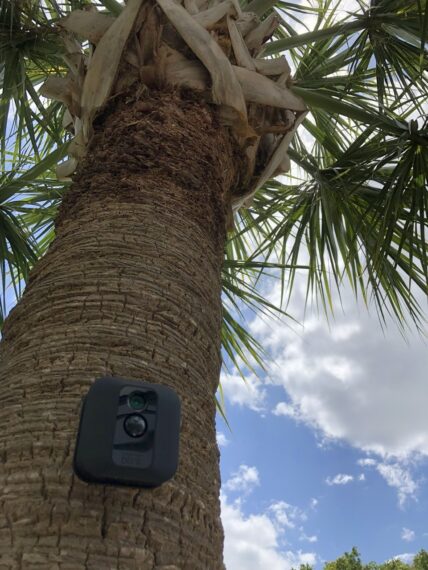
x=130 y=287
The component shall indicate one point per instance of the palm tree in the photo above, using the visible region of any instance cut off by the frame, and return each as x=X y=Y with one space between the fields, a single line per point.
x=173 y=120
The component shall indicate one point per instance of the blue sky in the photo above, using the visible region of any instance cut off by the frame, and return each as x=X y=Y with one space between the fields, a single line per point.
x=329 y=450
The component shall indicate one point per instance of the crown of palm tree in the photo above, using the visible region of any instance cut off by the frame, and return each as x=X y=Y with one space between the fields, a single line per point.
x=354 y=205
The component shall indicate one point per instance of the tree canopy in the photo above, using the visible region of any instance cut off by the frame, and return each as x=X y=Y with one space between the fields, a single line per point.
x=354 y=206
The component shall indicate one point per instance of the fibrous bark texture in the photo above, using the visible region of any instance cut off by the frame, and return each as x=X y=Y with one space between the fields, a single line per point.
x=130 y=287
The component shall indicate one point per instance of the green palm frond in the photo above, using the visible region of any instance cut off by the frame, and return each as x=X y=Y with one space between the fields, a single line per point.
x=360 y=209
x=29 y=194
x=361 y=213
x=31 y=141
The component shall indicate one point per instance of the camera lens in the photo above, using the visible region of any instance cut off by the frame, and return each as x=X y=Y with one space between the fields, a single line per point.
x=135 y=425
x=137 y=401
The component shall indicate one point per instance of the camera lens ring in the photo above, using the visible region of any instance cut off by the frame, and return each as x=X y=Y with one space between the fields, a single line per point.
x=137 y=401
x=135 y=425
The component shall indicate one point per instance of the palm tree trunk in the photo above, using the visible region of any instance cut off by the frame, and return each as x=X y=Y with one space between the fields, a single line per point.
x=130 y=287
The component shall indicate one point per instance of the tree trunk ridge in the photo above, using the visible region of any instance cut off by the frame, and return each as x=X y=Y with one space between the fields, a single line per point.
x=130 y=287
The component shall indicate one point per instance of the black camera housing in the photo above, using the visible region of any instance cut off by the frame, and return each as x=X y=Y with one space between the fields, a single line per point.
x=128 y=433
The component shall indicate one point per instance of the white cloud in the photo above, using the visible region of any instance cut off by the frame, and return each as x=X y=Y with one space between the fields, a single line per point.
x=367 y=462
x=345 y=331
x=339 y=479
x=349 y=380
x=407 y=558
x=244 y=480
x=408 y=535
x=311 y=539
x=249 y=392
x=361 y=477
x=314 y=503
x=253 y=542
x=222 y=440
x=397 y=476
x=287 y=515
x=284 y=409
x=400 y=479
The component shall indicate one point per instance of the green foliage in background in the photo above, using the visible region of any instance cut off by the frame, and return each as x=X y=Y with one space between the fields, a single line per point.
x=352 y=561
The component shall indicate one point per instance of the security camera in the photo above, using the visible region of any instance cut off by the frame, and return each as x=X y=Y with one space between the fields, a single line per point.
x=128 y=433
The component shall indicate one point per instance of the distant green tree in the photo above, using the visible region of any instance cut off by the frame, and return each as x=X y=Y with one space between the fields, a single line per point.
x=349 y=561
x=420 y=561
x=395 y=564
x=352 y=561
